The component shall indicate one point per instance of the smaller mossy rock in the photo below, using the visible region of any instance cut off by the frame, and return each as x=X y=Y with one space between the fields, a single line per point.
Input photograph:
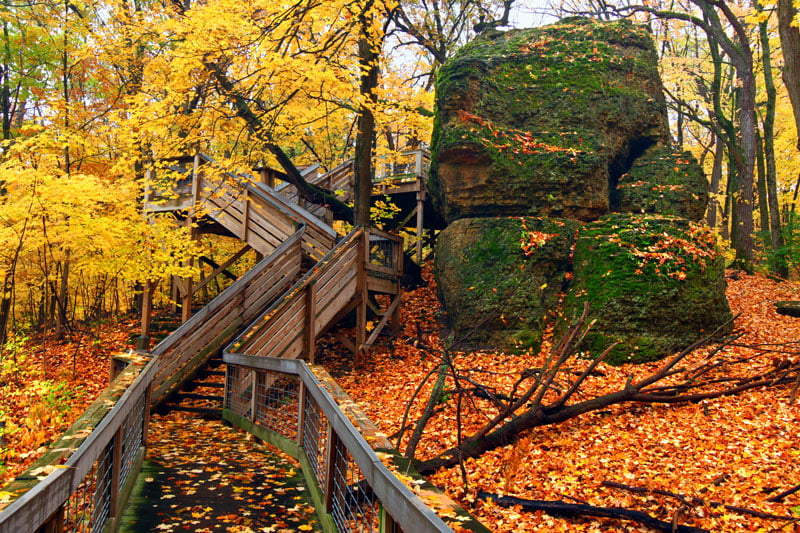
x=536 y=122
x=665 y=182
x=655 y=284
x=788 y=308
x=499 y=277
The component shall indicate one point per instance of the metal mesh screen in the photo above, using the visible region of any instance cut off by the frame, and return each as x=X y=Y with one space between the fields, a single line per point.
x=354 y=506
x=131 y=439
x=315 y=438
x=89 y=506
x=239 y=390
x=277 y=402
x=381 y=251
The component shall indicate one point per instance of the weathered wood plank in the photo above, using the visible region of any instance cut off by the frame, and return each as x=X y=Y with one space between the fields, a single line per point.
x=329 y=310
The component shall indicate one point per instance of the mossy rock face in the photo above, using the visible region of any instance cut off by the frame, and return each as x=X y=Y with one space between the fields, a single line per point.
x=499 y=277
x=655 y=284
x=666 y=182
x=540 y=121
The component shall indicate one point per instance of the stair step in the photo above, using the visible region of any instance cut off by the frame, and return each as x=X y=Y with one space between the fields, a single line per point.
x=198 y=384
x=212 y=372
x=201 y=410
x=195 y=396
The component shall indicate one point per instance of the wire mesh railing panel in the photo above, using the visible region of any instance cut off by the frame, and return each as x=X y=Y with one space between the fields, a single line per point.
x=315 y=438
x=89 y=507
x=131 y=439
x=277 y=402
x=239 y=390
x=381 y=251
x=354 y=506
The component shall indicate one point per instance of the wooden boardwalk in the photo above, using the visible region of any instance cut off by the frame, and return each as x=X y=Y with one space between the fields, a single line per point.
x=201 y=475
x=125 y=469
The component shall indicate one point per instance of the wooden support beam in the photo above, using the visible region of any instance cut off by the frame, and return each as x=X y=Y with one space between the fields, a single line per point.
x=301 y=413
x=146 y=418
x=246 y=215
x=384 y=319
x=221 y=268
x=147 y=315
x=253 y=386
x=116 y=469
x=361 y=290
x=309 y=333
x=330 y=466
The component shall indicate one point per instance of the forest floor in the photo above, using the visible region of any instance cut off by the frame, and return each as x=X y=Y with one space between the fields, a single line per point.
x=46 y=384
x=736 y=451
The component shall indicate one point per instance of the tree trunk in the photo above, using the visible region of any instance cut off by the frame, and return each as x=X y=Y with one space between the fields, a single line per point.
x=365 y=138
x=716 y=177
x=779 y=264
x=790 y=44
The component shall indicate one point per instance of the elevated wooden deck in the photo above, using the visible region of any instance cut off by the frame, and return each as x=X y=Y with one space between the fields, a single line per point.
x=85 y=483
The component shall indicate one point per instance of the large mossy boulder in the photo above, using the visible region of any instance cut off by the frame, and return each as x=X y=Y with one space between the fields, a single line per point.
x=665 y=182
x=654 y=284
x=499 y=277
x=543 y=121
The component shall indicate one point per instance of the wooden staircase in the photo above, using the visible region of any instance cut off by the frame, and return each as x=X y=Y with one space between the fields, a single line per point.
x=303 y=286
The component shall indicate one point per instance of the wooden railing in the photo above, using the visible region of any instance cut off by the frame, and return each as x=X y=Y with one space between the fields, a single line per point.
x=288 y=328
x=285 y=403
x=406 y=166
x=318 y=239
x=216 y=324
x=364 y=260
x=89 y=490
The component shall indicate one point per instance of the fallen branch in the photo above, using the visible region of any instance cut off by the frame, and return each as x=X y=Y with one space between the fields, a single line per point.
x=782 y=495
x=692 y=500
x=556 y=508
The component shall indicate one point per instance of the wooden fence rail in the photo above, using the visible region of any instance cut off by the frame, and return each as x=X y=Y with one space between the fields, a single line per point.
x=284 y=402
x=216 y=324
x=287 y=327
x=88 y=492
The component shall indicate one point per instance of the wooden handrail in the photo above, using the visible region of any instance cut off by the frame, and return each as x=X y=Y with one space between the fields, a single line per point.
x=275 y=312
x=399 y=501
x=45 y=499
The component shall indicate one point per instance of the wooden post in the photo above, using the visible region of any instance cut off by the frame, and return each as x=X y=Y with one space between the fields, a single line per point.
x=309 y=334
x=226 y=389
x=301 y=413
x=146 y=418
x=253 y=385
x=143 y=342
x=386 y=521
x=186 y=299
x=246 y=217
x=116 y=467
x=54 y=524
x=361 y=292
x=396 y=326
x=330 y=467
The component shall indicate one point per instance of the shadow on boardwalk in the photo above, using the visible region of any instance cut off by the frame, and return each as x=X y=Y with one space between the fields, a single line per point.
x=203 y=476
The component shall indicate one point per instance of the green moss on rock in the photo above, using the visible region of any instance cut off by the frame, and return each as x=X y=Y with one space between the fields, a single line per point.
x=666 y=182
x=655 y=284
x=504 y=275
x=529 y=122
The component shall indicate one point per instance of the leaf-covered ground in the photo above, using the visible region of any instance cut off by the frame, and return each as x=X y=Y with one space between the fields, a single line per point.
x=737 y=450
x=46 y=384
